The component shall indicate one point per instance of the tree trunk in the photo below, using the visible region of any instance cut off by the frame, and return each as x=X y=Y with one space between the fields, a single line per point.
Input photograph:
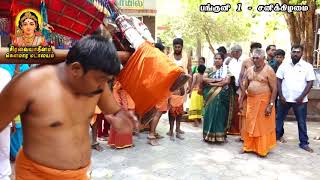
x=292 y=24
x=309 y=31
x=198 y=51
x=209 y=41
x=301 y=28
x=292 y=27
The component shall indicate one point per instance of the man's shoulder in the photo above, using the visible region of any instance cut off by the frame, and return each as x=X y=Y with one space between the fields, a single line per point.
x=250 y=69
x=306 y=64
x=38 y=74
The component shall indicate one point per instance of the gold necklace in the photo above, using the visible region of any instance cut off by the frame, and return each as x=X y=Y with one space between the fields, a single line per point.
x=28 y=40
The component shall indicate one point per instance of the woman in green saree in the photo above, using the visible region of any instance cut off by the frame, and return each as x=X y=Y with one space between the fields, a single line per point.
x=219 y=100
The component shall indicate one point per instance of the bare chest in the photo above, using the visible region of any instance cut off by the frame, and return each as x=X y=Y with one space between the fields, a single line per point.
x=59 y=109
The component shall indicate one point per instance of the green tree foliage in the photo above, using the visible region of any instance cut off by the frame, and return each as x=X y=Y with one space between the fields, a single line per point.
x=208 y=27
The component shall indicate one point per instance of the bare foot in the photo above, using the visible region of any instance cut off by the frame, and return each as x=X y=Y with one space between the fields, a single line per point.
x=171 y=135
x=103 y=138
x=152 y=140
x=96 y=146
x=181 y=80
x=179 y=136
x=282 y=140
x=180 y=131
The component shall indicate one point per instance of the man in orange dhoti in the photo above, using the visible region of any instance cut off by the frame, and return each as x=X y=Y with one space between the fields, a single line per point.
x=56 y=140
x=120 y=140
x=157 y=75
x=260 y=87
x=245 y=66
x=180 y=58
x=162 y=108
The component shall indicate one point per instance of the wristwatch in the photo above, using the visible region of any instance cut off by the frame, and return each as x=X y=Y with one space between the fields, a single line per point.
x=271 y=104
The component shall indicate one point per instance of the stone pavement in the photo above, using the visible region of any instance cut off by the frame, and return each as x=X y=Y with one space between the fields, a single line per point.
x=193 y=159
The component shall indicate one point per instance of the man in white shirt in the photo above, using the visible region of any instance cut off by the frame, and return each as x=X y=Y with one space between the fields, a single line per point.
x=5 y=168
x=295 y=79
x=234 y=66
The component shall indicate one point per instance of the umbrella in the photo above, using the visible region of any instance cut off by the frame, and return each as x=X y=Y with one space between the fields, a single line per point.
x=73 y=18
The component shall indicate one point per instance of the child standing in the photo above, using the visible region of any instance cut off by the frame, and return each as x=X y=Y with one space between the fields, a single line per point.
x=176 y=112
x=196 y=104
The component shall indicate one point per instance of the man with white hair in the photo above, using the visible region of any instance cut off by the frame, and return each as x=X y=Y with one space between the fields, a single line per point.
x=234 y=67
x=260 y=85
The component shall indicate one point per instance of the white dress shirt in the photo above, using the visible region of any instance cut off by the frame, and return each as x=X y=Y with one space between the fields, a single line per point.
x=295 y=78
x=235 y=68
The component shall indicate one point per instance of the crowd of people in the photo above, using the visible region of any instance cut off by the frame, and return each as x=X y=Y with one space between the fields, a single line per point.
x=251 y=97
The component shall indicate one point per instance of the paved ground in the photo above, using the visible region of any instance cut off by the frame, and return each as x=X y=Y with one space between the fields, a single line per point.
x=193 y=159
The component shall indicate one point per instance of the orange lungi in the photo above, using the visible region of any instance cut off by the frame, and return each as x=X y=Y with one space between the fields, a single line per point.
x=176 y=103
x=259 y=130
x=29 y=170
x=125 y=101
x=148 y=76
x=163 y=105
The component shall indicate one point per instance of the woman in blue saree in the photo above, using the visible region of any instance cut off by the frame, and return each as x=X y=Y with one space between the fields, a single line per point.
x=219 y=100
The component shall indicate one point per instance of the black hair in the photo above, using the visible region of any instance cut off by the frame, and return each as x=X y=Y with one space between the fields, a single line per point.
x=269 y=47
x=280 y=52
x=255 y=45
x=178 y=41
x=201 y=68
x=95 y=53
x=33 y=14
x=295 y=46
x=221 y=55
x=203 y=59
x=222 y=49
x=159 y=46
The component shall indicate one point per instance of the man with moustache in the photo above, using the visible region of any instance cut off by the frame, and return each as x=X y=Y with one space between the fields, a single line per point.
x=56 y=103
x=295 y=79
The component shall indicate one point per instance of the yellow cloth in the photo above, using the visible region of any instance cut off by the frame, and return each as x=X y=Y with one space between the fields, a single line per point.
x=196 y=105
x=17 y=119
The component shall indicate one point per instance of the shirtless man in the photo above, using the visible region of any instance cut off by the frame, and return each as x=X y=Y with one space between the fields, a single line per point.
x=245 y=66
x=56 y=103
x=248 y=62
x=261 y=91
